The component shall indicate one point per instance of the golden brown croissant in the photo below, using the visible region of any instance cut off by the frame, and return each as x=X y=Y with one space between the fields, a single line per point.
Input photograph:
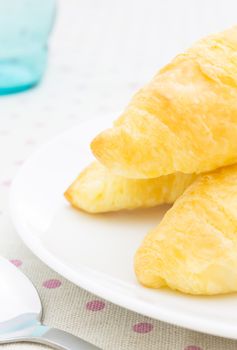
x=97 y=190
x=194 y=249
x=184 y=120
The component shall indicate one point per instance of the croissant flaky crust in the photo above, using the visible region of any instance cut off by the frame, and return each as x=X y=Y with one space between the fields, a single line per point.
x=184 y=120
x=97 y=190
x=194 y=249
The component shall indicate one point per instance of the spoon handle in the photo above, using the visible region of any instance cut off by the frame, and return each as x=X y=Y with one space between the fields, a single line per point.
x=58 y=339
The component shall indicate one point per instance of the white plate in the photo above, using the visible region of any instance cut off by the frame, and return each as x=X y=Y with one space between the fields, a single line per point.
x=96 y=251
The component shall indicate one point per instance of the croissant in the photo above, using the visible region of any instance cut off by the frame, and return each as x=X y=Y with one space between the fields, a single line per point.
x=194 y=249
x=97 y=190
x=188 y=108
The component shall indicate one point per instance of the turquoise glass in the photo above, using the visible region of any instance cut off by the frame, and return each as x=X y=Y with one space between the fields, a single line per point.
x=25 y=26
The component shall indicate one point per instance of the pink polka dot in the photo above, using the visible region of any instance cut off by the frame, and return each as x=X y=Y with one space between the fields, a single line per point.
x=51 y=284
x=19 y=162
x=6 y=183
x=16 y=262
x=143 y=327
x=192 y=347
x=39 y=125
x=95 y=305
x=30 y=142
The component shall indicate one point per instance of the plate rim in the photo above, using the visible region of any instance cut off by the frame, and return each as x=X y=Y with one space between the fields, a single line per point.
x=164 y=314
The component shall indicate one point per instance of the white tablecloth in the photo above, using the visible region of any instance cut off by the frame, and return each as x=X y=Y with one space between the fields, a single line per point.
x=100 y=53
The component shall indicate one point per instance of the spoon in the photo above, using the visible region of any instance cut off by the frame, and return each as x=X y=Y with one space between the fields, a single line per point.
x=21 y=310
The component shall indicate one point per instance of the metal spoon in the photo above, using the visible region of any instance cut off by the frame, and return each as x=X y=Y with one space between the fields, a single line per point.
x=20 y=314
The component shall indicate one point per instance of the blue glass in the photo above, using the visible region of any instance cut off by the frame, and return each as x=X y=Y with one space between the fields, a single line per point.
x=25 y=26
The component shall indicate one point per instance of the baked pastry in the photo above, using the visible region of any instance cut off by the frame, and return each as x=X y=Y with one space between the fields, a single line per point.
x=194 y=249
x=184 y=120
x=97 y=190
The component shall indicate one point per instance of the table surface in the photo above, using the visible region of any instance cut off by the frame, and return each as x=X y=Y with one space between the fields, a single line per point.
x=101 y=52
